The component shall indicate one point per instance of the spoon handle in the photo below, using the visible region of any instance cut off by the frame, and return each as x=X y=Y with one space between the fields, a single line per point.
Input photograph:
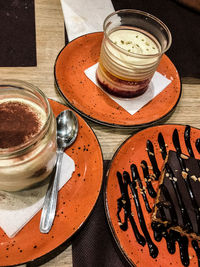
x=50 y=202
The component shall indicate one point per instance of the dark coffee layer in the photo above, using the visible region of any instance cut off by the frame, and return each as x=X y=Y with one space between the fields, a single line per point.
x=18 y=124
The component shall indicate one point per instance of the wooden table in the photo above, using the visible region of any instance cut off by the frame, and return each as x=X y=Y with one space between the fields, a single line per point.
x=50 y=40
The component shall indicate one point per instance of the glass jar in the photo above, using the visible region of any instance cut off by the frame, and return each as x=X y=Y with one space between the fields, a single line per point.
x=133 y=44
x=27 y=136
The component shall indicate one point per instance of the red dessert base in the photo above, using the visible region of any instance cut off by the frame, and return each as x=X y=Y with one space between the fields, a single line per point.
x=121 y=88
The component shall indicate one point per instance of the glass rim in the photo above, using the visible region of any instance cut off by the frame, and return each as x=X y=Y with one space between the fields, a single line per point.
x=15 y=83
x=135 y=11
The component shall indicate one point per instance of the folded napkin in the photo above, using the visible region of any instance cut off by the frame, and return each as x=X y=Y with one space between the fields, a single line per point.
x=156 y=86
x=84 y=18
x=17 y=209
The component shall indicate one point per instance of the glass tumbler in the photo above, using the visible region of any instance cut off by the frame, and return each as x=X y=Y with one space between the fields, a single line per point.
x=27 y=136
x=133 y=44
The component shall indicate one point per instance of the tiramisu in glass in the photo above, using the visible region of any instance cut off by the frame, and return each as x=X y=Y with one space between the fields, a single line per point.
x=27 y=136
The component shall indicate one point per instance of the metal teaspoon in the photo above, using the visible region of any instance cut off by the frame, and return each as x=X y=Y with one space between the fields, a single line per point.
x=67 y=129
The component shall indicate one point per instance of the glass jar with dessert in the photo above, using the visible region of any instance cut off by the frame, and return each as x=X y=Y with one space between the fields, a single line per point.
x=27 y=136
x=133 y=44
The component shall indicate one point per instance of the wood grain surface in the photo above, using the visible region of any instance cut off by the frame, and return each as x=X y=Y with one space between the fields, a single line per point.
x=50 y=40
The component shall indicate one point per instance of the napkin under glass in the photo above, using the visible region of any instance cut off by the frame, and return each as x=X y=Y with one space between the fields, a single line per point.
x=157 y=85
x=17 y=209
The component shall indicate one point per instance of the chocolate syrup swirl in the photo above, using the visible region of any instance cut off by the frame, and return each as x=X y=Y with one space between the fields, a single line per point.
x=197 y=250
x=183 y=247
x=182 y=164
x=171 y=237
x=162 y=145
x=134 y=172
x=153 y=250
x=197 y=144
x=185 y=217
x=169 y=205
x=124 y=202
x=158 y=229
x=187 y=140
x=161 y=230
x=176 y=142
x=151 y=154
x=147 y=179
x=161 y=205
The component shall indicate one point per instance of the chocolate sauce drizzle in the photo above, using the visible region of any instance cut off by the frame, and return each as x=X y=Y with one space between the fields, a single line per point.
x=187 y=179
x=187 y=140
x=162 y=145
x=168 y=205
x=153 y=250
x=171 y=237
x=151 y=154
x=147 y=179
x=160 y=230
x=142 y=190
x=197 y=250
x=197 y=144
x=186 y=220
x=124 y=202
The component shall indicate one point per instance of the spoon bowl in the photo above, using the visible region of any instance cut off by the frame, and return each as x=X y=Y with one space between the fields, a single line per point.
x=67 y=130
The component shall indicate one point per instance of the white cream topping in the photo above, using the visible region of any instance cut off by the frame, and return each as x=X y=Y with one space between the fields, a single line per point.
x=134 y=41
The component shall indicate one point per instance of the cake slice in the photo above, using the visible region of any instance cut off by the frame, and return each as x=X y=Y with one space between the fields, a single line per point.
x=178 y=200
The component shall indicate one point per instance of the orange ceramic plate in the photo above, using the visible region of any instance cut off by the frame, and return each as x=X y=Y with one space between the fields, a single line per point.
x=91 y=102
x=75 y=202
x=133 y=150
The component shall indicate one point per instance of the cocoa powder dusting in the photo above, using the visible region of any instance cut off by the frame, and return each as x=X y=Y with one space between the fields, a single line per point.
x=18 y=123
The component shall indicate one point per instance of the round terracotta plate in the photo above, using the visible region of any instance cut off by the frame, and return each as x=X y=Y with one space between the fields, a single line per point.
x=75 y=202
x=91 y=102
x=133 y=150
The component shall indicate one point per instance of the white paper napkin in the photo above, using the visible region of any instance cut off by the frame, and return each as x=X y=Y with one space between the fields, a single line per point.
x=86 y=16
x=156 y=86
x=17 y=209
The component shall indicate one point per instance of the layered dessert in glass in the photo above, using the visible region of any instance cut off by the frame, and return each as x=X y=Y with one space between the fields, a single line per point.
x=27 y=136
x=133 y=44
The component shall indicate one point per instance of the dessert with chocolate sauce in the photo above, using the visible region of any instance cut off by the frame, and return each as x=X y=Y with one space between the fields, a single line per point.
x=178 y=195
x=27 y=136
x=174 y=189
